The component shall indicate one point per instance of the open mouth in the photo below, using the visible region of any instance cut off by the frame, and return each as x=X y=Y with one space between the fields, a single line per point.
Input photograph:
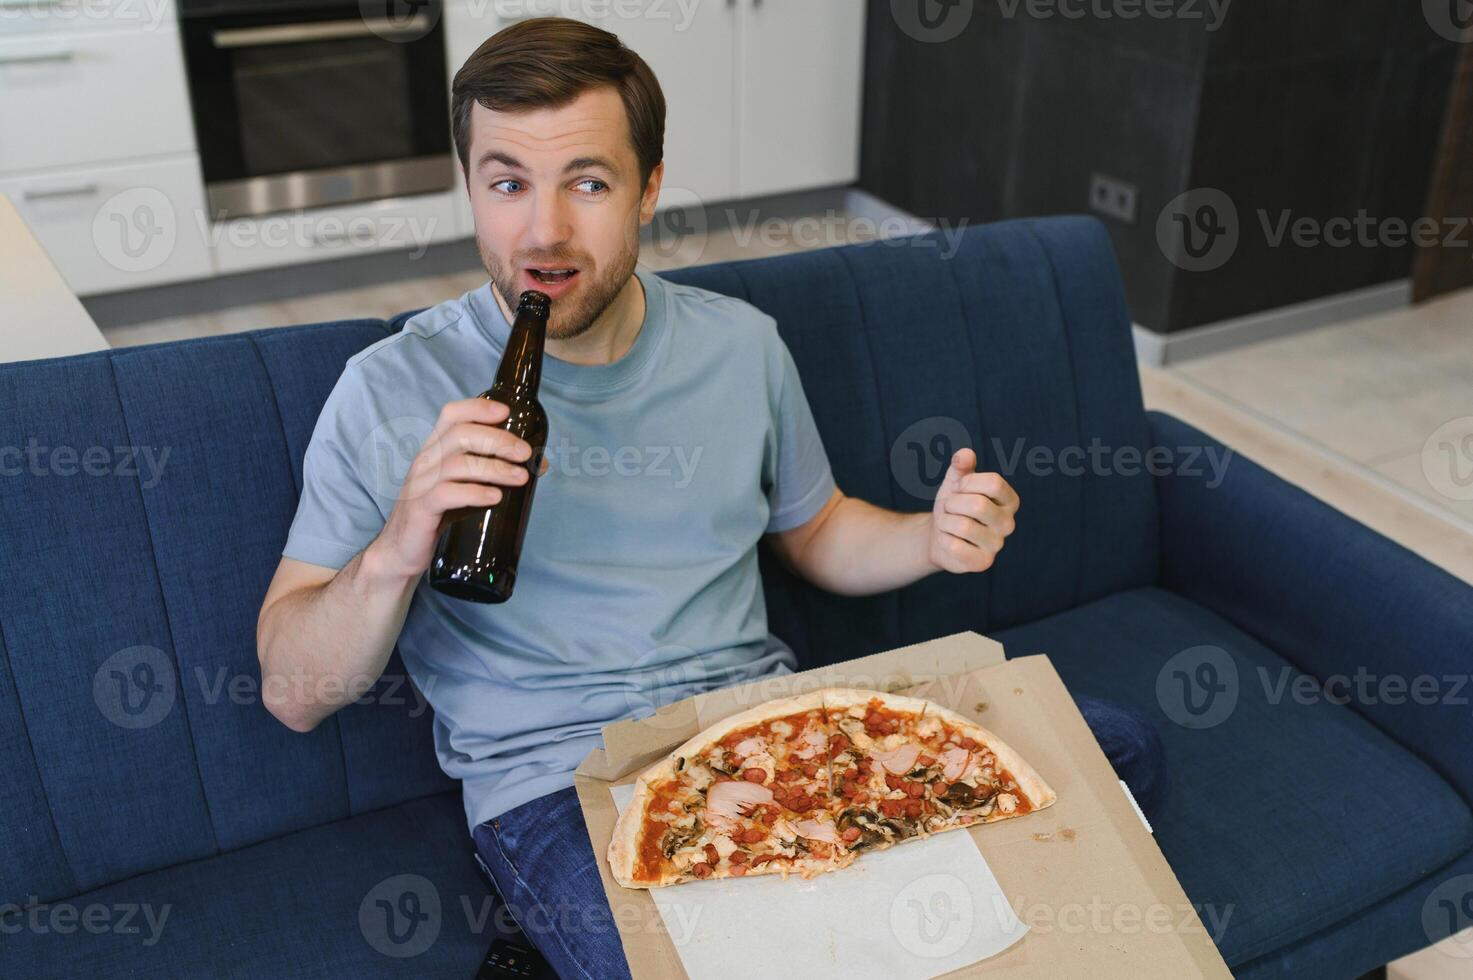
x=552 y=277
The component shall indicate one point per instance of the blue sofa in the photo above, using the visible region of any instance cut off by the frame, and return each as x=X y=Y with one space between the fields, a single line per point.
x=143 y=773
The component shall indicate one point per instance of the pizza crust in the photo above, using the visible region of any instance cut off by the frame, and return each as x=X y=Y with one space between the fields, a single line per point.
x=843 y=698
x=1031 y=784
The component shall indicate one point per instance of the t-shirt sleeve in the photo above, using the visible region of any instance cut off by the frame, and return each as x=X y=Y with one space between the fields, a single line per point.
x=338 y=514
x=796 y=474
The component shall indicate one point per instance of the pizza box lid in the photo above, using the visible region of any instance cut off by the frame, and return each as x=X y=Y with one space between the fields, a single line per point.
x=1085 y=875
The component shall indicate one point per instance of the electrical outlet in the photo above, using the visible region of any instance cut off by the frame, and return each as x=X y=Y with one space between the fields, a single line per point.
x=1113 y=197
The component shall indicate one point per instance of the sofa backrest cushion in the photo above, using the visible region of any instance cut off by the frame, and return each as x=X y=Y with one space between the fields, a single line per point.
x=137 y=540
x=1014 y=340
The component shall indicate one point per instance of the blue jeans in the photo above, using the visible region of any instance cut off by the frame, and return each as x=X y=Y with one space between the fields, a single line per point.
x=542 y=861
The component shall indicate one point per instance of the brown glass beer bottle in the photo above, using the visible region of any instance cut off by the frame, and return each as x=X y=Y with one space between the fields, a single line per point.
x=476 y=555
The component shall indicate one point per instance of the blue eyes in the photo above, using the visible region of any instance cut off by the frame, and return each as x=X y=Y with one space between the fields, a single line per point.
x=511 y=186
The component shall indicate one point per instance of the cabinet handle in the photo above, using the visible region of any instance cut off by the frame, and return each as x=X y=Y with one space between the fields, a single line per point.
x=246 y=37
x=31 y=59
x=81 y=190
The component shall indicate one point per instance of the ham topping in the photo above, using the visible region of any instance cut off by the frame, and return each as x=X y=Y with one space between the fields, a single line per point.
x=816 y=830
x=899 y=761
x=727 y=800
x=954 y=762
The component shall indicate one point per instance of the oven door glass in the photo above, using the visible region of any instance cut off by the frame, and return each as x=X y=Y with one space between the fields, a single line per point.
x=299 y=107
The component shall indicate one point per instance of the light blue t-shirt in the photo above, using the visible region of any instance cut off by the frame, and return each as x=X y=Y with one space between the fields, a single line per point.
x=638 y=582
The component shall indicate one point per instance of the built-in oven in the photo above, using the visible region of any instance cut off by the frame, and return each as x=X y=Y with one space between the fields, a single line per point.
x=309 y=103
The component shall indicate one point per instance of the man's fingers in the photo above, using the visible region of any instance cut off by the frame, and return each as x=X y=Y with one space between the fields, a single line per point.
x=991 y=485
x=472 y=468
x=969 y=531
x=480 y=410
x=963 y=462
x=485 y=440
x=981 y=509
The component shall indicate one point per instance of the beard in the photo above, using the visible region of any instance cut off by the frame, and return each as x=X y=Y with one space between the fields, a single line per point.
x=574 y=314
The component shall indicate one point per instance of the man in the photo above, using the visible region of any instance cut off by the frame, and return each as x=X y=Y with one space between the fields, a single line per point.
x=638 y=584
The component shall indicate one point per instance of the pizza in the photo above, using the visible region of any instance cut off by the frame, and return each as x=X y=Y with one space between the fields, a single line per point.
x=805 y=785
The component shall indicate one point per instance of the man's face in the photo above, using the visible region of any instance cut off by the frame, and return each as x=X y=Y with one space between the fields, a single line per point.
x=558 y=204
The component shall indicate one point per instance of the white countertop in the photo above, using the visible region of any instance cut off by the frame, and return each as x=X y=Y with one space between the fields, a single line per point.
x=39 y=315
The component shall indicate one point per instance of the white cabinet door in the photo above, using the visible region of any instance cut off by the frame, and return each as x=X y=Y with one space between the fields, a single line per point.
x=800 y=72
x=118 y=227
x=691 y=49
x=74 y=99
x=83 y=16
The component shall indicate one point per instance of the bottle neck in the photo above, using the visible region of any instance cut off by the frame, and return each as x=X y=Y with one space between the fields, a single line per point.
x=521 y=362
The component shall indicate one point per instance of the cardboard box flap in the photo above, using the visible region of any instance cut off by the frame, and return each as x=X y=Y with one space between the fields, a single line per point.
x=633 y=742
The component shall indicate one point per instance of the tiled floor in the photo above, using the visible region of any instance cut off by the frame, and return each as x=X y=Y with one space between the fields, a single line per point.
x=1391 y=393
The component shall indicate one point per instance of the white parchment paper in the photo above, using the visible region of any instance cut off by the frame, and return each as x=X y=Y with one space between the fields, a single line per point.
x=912 y=912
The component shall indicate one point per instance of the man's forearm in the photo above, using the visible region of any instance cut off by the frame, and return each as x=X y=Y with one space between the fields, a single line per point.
x=861 y=549
x=321 y=648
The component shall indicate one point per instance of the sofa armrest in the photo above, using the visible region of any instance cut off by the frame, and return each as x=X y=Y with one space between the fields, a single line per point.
x=1328 y=594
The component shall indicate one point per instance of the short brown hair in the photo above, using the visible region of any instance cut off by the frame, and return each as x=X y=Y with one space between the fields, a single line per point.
x=546 y=63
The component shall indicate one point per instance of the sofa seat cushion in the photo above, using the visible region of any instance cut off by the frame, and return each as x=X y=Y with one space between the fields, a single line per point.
x=1285 y=814
x=311 y=904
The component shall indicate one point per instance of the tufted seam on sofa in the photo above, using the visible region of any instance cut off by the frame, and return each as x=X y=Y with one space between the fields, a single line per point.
x=846 y=256
x=1067 y=333
x=286 y=449
x=73 y=888
x=164 y=606
x=275 y=406
x=966 y=332
x=804 y=609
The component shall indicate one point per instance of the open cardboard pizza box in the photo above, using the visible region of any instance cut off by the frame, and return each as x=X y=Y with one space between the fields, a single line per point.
x=1077 y=889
